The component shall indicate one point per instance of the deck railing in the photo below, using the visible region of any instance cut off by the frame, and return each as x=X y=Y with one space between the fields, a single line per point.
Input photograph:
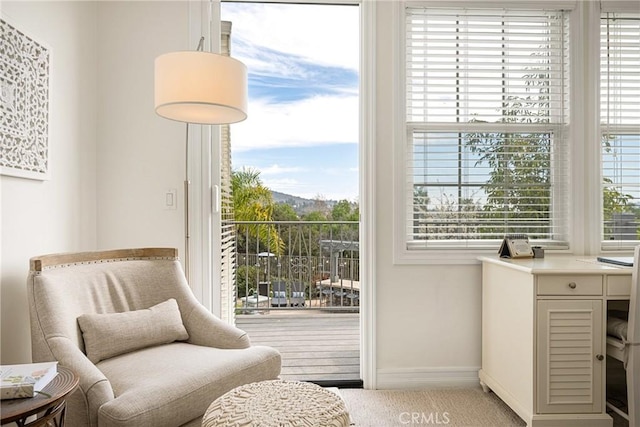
x=297 y=265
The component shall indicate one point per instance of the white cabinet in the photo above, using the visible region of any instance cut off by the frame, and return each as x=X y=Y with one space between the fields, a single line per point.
x=569 y=356
x=543 y=337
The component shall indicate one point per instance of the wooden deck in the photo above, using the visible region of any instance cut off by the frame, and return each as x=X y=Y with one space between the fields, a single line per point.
x=315 y=346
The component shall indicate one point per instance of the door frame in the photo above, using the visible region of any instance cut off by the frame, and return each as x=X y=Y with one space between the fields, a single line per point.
x=205 y=20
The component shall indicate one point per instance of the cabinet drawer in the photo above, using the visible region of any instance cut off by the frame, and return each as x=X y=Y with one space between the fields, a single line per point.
x=619 y=285
x=569 y=285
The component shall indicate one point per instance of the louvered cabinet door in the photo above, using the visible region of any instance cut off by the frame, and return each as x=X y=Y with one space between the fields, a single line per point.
x=569 y=347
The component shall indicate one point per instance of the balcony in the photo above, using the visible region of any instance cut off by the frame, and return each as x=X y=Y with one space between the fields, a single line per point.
x=298 y=290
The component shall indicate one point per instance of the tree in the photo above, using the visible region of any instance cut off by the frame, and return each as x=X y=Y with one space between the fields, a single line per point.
x=341 y=211
x=320 y=205
x=284 y=212
x=314 y=216
x=252 y=201
x=519 y=185
x=614 y=202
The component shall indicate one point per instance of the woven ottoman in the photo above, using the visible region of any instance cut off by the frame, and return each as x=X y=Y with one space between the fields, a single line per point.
x=277 y=403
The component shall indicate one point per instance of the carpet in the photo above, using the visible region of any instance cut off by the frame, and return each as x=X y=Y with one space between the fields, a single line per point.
x=452 y=407
x=468 y=407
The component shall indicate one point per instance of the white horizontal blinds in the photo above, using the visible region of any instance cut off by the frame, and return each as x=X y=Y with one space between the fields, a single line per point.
x=486 y=113
x=620 y=126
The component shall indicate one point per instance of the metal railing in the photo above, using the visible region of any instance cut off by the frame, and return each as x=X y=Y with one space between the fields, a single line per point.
x=297 y=265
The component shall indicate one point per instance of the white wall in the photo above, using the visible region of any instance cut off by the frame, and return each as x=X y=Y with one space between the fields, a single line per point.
x=428 y=317
x=112 y=158
x=140 y=154
x=57 y=215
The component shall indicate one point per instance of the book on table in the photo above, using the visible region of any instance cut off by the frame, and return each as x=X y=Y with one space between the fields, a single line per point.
x=26 y=380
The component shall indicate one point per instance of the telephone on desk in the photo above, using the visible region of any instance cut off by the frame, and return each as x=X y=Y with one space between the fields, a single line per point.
x=515 y=246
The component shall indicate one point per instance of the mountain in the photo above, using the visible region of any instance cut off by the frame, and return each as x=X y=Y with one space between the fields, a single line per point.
x=289 y=199
x=302 y=205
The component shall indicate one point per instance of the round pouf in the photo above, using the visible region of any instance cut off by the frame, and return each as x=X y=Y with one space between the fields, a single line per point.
x=277 y=403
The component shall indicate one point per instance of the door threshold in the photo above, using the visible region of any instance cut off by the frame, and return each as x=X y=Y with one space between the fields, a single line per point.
x=339 y=383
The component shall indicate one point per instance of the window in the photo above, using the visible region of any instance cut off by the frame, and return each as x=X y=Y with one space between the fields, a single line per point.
x=620 y=129
x=486 y=127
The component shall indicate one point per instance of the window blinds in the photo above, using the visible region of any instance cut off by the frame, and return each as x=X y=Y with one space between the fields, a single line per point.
x=486 y=112
x=227 y=227
x=620 y=128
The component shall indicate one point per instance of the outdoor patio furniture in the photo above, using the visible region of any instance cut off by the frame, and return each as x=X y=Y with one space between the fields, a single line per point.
x=254 y=301
x=338 y=297
x=279 y=298
x=326 y=294
x=264 y=288
x=297 y=298
x=354 y=299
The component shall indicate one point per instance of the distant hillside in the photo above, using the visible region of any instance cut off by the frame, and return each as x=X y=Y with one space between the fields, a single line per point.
x=300 y=204
x=288 y=198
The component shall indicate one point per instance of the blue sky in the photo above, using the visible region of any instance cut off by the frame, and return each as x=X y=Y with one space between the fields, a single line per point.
x=302 y=125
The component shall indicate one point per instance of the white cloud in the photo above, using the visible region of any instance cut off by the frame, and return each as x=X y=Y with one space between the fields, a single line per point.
x=313 y=121
x=311 y=31
x=288 y=46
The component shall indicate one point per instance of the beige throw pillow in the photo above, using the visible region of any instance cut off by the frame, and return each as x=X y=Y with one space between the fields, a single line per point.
x=108 y=335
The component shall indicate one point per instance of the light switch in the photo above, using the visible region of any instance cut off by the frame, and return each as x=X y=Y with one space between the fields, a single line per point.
x=170 y=199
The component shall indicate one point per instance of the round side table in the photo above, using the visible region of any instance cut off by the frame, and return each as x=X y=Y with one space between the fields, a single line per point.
x=50 y=408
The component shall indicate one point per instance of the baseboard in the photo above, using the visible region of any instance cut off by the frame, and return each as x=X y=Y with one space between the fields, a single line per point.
x=417 y=378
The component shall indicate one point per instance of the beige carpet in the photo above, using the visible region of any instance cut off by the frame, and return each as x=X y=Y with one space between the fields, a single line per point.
x=451 y=407
x=469 y=407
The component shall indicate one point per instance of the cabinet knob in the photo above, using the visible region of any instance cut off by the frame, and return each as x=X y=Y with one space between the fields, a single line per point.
x=599 y=357
x=572 y=285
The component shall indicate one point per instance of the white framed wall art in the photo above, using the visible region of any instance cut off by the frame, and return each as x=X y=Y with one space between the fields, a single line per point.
x=24 y=104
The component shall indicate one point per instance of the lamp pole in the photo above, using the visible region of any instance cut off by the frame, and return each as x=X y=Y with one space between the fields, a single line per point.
x=187 y=185
x=197 y=87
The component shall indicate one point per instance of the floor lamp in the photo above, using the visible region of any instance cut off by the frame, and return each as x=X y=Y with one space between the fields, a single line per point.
x=197 y=87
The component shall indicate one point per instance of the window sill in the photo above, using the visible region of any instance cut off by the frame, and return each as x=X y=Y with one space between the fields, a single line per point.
x=449 y=256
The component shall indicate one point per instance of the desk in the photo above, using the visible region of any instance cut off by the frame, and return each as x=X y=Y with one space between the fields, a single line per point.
x=543 y=336
x=50 y=408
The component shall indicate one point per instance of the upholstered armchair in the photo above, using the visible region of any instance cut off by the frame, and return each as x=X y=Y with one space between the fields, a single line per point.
x=146 y=351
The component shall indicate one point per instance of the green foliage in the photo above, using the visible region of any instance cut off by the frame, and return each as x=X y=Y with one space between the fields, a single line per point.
x=614 y=201
x=252 y=201
x=314 y=216
x=342 y=211
x=277 y=231
x=246 y=279
x=284 y=212
x=519 y=184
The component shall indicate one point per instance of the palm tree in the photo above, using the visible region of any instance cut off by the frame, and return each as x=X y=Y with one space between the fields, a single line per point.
x=252 y=201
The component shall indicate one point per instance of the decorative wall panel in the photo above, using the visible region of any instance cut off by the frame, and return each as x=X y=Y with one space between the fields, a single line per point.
x=24 y=104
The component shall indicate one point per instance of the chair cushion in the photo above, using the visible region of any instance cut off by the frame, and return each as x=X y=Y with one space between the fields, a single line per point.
x=112 y=334
x=193 y=377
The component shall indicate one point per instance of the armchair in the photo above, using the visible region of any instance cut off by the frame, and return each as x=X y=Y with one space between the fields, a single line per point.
x=146 y=351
